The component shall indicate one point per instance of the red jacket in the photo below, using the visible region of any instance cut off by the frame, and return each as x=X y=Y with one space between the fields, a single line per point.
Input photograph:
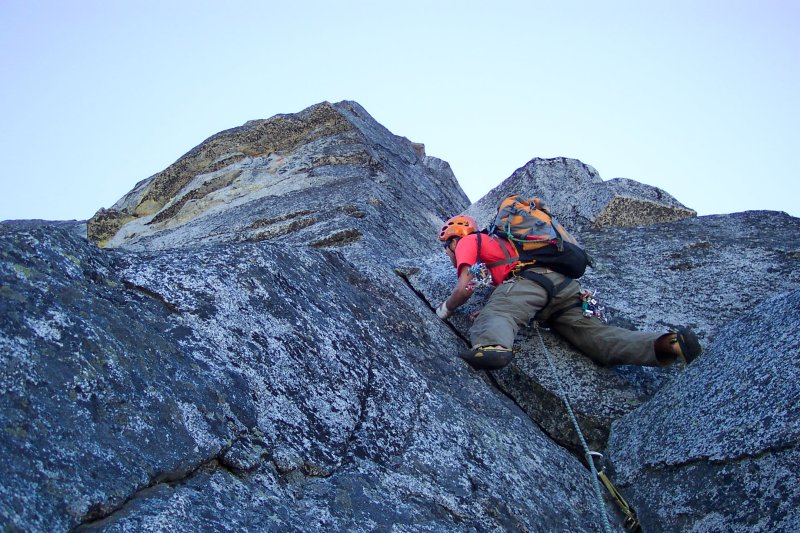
x=491 y=251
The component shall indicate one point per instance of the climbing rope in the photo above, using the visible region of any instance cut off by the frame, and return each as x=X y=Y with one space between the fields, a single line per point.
x=588 y=454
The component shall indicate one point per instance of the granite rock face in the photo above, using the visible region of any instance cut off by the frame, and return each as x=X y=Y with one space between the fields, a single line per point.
x=255 y=349
x=252 y=387
x=215 y=374
x=726 y=433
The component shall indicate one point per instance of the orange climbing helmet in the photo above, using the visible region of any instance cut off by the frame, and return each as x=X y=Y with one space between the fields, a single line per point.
x=458 y=226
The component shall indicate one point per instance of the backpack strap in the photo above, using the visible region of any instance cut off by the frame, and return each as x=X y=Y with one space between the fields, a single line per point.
x=507 y=261
x=544 y=281
x=550 y=288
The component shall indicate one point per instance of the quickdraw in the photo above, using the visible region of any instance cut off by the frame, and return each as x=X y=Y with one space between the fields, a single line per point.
x=631 y=520
x=482 y=277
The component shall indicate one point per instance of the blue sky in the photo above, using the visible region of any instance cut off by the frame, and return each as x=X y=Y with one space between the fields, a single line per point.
x=696 y=97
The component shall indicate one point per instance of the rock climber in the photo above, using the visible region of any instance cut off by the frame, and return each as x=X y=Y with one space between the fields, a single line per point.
x=517 y=298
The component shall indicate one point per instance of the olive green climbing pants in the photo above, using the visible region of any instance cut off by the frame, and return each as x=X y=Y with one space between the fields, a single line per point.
x=516 y=301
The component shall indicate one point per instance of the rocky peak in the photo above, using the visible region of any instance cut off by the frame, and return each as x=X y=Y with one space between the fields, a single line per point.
x=580 y=199
x=255 y=138
x=327 y=176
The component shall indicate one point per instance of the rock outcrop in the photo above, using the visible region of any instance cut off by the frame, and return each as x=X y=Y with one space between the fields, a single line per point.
x=581 y=199
x=327 y=176
x=724 y=434
x=255 y=349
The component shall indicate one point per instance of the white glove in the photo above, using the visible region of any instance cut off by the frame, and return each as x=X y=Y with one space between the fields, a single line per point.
x=443 y=312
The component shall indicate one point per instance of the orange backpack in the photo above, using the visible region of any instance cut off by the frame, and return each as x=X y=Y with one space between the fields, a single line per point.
x=537 y=237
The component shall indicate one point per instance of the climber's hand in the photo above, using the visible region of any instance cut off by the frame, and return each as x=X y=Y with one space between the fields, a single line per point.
x=443 y=312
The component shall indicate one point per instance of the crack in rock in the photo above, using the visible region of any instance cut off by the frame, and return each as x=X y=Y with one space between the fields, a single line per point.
x=708 y=460
x=97 y=516
x=151 y=294
x=404 y=276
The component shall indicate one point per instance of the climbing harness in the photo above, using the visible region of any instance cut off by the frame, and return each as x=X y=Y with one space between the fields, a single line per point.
x=631 y=522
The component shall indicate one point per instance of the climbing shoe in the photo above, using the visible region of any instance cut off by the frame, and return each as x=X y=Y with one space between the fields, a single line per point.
x=487 y=357
x=690 y=348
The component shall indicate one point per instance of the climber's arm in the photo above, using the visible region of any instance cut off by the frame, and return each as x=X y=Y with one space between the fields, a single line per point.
x=460 y=294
